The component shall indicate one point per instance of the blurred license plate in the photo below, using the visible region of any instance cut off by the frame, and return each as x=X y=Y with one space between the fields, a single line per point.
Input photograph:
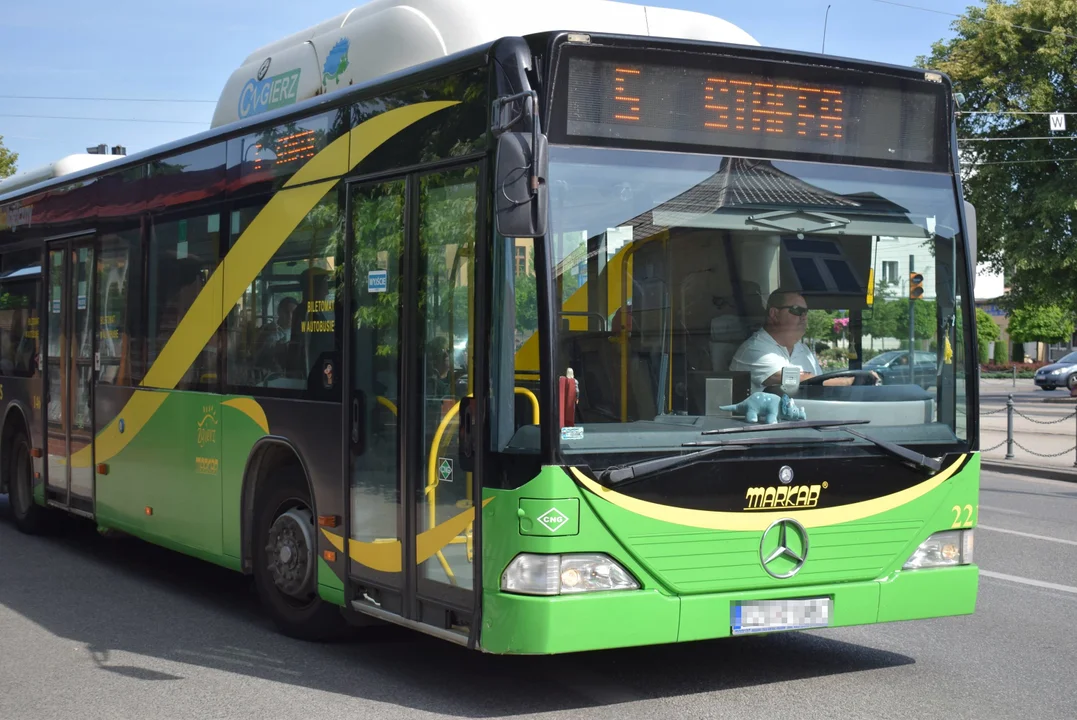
x=777 y=615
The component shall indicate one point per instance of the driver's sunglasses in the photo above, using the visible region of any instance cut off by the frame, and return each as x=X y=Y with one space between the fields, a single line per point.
x=797 y=310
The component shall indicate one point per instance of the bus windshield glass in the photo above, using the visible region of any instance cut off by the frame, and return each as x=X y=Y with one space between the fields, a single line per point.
x=686 y=283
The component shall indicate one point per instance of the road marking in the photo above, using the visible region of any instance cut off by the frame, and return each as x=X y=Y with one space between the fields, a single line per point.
x=1001 y=510
x=1028 y=535
x=1028 y=581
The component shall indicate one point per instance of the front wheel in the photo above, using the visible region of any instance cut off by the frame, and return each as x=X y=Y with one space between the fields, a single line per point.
x=285 y=559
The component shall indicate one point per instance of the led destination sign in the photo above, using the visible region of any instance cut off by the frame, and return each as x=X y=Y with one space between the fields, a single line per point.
x=848 y=117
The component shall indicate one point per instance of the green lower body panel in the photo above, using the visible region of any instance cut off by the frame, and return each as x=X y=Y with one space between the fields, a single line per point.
x=517 y=624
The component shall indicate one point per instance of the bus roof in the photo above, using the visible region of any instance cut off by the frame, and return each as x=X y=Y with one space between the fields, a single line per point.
x=386 y=36
x=58 y=168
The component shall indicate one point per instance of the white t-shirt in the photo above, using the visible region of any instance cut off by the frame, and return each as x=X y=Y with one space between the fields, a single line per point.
x=762 y=356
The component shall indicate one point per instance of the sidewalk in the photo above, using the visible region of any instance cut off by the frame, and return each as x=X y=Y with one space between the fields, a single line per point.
x=1044 y=430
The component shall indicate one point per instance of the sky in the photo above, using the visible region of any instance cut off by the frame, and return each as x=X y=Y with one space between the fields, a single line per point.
x=185 y=50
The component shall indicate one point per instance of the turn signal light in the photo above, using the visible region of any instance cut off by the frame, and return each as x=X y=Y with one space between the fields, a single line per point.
x=327 y=521
x=35 y=452
x=329 y=555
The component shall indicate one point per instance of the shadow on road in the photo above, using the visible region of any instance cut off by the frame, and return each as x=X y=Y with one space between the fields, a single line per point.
x=125 y=596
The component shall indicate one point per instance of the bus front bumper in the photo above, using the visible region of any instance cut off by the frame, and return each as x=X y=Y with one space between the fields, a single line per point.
x=518 y=624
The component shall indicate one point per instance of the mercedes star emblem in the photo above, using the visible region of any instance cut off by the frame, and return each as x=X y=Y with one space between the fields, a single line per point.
x=783 y=539
x=785 y=474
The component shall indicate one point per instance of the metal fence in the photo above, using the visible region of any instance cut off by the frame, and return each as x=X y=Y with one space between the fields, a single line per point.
x=1009 y=442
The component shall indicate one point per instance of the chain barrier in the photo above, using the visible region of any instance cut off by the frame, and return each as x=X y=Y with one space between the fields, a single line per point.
x=1044 y=422
x=1043 y=455
x=1011 y=441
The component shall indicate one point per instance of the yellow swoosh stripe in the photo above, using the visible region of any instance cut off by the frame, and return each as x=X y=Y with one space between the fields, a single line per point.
x=758 y=521
x=258 y=243
x=251 y=409
x=386 y=556
x=136 y=413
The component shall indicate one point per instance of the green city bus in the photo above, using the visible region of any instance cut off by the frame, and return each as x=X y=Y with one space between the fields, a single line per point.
x=455 y=347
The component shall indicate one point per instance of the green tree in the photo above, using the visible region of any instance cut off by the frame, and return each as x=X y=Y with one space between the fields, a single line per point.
x=527 y=299
x=880 y=321
x=1022 y=189
x=1002 y=353
x=1041 y=323
x=820 y=325
x=987 y=332
x=8 y=158
x=924 y=313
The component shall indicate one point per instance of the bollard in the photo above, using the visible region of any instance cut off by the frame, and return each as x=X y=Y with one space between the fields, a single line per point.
x=1075 y=435
x=1015 y=376
x=1009 y=428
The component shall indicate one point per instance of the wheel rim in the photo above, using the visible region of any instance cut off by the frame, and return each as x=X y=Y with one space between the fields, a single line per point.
x=290 y=552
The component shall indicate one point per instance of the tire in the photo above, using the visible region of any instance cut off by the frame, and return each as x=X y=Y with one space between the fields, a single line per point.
x=30 y=517
x=286 y=579
x=1048 y=388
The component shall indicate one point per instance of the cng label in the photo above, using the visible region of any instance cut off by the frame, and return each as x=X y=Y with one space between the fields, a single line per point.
x=445 y=469
x=553 y=519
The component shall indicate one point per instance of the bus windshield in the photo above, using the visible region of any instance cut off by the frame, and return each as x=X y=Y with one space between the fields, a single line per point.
x=685 y=283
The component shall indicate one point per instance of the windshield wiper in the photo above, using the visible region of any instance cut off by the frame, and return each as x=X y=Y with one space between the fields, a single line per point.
x=899 y=451
x=638 y=470
x=918 y=459
x=792 y=425
x=645 y=468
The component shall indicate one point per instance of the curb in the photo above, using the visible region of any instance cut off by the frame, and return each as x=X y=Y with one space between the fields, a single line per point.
x=1012 y=468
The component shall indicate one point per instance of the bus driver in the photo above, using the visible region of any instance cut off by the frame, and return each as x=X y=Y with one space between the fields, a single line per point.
x=778 y=344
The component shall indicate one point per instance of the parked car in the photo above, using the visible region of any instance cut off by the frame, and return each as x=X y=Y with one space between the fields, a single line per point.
x=1057 y=374
x=893 y=368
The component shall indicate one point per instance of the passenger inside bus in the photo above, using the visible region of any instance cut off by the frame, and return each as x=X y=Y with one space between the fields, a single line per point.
x=270 y=351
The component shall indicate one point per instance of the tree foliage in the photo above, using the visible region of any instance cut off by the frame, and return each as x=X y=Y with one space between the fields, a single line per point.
x=8 y=158
x=1022 y=189
x=987 y=331
x=1048 y=323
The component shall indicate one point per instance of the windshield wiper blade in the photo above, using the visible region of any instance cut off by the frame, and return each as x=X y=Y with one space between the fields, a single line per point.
x=645 y=468
x=792 y=425
x=899 y=451
x=918 y=459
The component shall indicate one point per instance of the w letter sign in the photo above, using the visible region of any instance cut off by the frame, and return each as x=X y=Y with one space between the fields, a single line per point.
x=1058 y=122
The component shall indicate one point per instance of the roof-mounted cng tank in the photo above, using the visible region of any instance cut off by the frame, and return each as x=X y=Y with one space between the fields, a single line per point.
x=386 y=36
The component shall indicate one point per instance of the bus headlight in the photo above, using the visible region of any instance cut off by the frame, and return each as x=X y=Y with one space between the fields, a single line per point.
x=531 y=574
x=943 y=549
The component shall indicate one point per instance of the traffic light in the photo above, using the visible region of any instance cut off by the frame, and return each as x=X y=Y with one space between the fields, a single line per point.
x=916 y=286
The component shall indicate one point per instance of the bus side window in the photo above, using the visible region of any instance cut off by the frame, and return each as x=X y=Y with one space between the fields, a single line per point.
x=284 y=327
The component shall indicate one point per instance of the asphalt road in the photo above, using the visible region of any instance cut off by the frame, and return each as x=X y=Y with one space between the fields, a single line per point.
x=99 y=628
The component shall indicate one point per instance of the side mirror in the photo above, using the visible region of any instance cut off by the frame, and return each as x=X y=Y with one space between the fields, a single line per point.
x=520 y=189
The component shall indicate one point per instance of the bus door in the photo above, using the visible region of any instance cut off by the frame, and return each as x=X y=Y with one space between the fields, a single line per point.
x=69 y=358
x=412 y=509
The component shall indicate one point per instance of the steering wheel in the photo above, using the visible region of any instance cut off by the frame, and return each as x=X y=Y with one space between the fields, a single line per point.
x=860 y=377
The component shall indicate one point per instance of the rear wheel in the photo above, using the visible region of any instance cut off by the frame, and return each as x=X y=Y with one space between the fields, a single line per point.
x=285 y=560
x=30 y=518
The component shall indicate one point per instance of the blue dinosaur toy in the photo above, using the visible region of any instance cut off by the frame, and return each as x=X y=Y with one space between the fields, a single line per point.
x=768 y=406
